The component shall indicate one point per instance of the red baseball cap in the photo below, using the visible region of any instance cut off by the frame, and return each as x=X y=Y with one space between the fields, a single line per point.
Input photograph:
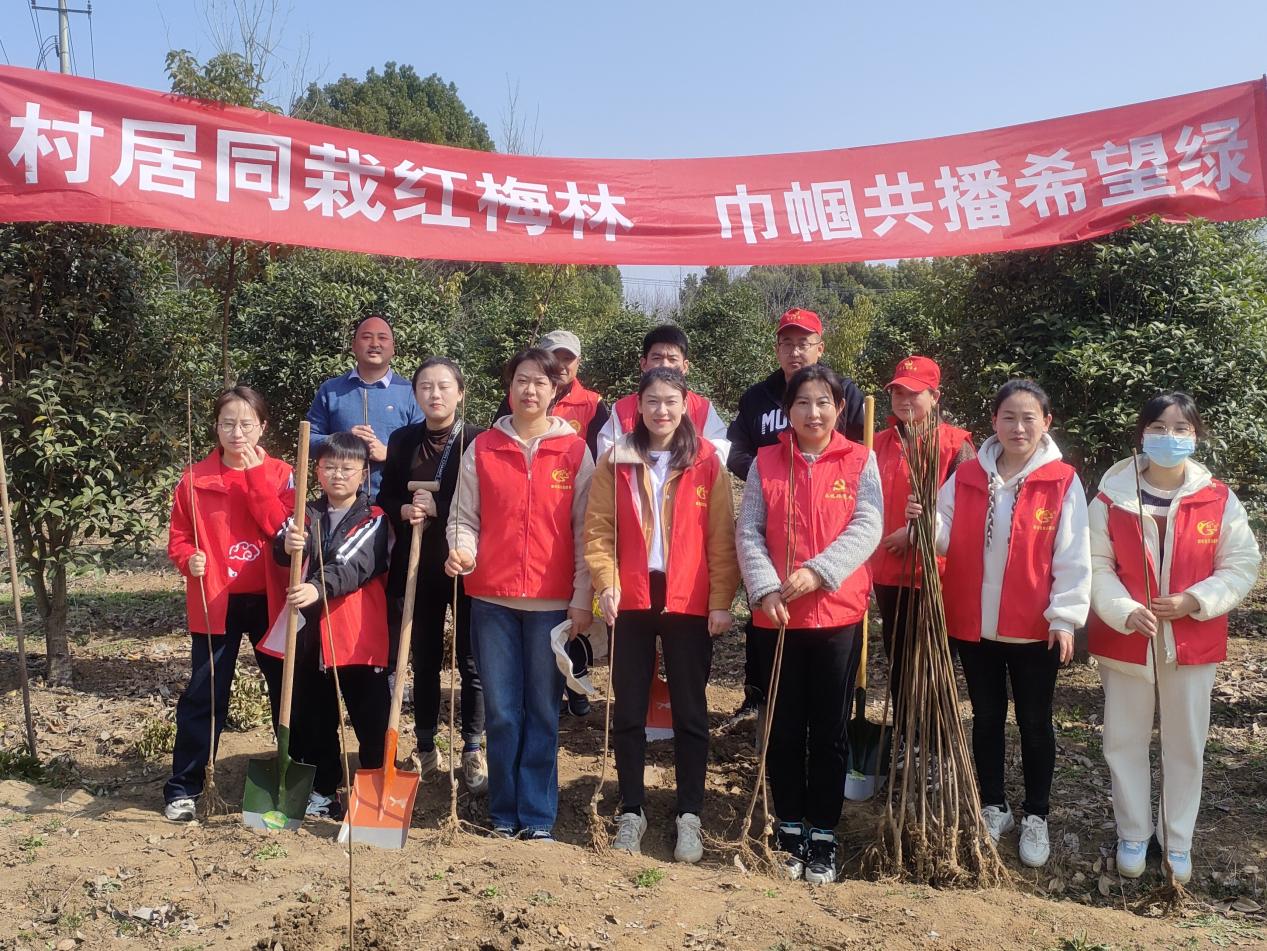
x=805 y=320
x=917 y=374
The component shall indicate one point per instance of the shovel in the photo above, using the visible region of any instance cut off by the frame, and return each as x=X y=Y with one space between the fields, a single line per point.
x=382 y=802
x=277 y=789
x=866 y=739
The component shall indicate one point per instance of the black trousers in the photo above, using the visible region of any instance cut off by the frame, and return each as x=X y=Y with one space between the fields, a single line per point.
x=246 y=614
x=431 y=604
x=807 y=757
x=315 y=733
x=687 y=649
x=1031 y=668
x=895 y=604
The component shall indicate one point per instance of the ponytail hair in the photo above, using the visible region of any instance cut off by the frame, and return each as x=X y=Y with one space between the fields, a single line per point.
x=685 y=442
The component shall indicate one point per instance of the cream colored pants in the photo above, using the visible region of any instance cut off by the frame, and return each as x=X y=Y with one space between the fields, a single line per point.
x=1128 y=727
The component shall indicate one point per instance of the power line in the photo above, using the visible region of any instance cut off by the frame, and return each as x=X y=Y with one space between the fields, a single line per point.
x=6 y=53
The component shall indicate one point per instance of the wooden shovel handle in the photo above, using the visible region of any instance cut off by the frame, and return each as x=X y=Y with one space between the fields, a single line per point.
x=407 y=612
x=296 y=575
x=868 y=440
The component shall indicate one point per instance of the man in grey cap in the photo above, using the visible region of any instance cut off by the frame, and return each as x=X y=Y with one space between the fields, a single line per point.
x=583 y=409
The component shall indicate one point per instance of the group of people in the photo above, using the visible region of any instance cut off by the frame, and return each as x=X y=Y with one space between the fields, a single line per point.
x=564 y=510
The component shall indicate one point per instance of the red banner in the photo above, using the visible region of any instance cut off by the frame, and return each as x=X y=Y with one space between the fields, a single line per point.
x=81 y=150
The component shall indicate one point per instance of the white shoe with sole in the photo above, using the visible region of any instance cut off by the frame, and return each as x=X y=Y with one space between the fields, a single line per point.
x=1035 y=844
x=425 y=763
x=1132 y=858
x=630 y=828
x=475 y=771
x=180 y=810
x=690 y=846
x=998 y=822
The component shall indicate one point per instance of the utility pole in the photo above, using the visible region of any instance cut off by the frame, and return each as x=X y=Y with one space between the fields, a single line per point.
x=63 y=37
x=63 y=30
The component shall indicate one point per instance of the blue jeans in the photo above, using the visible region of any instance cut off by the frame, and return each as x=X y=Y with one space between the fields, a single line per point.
x=522 y=686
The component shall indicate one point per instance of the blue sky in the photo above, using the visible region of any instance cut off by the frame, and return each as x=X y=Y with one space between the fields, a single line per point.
x=655 y=79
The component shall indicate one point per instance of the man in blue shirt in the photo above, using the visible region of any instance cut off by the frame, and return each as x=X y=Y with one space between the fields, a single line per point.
x=371 y=402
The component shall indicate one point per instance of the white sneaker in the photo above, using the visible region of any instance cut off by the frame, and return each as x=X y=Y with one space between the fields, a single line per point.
x=630 y=828
x=998 y=822
x=1132 y=858
x=425 y=763
x=475 y=771
x=1181 y=865
x=1035 y=845
x=689 y=847
x=180 y=810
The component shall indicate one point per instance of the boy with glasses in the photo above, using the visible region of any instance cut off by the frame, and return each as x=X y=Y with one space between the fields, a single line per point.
x=351 y=574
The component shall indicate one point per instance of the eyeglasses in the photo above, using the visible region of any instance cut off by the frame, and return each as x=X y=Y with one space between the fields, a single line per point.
x=1161 y=429
x=246 y=426
x=797 y=346
x=341 y=471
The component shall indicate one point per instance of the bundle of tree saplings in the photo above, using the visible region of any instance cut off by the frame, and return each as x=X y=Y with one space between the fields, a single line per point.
x=931 y=830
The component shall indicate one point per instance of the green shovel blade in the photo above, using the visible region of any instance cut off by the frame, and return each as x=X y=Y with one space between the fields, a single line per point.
x=277 y=789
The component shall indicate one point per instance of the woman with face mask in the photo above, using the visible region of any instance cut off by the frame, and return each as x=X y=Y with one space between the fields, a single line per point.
x=1202 y=561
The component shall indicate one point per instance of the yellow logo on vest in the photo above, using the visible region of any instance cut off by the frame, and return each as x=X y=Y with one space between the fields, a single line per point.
x=576 y=425
x=839 y=490
x=701 y=496
x=561 y=479
x=1044 y=520
x=1208 y=529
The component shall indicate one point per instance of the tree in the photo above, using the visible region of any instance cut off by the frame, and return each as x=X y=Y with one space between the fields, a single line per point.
x=399 y=103
x=90 y=402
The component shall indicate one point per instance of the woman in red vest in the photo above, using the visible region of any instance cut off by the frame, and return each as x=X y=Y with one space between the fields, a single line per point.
x=515 y=534
x=829 y=489
x=913 y=397
x=1202 y=561
x=1012 y=524
x=241 y=496
x=671 y=537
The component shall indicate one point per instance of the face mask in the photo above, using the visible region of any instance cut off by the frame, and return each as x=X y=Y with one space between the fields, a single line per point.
x=1168 y=450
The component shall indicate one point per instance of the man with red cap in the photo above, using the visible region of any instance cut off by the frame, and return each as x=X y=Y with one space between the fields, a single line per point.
x=798 y=342
x=914 y=393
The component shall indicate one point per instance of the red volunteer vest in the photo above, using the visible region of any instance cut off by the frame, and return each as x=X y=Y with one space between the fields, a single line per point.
x=895 y=477
x=826 y=494
x=626 y=410
x=578 y=407
x=686 y=554
x=1027 y=576
x=231 y=531
x=525 y=548
x=1198 y=525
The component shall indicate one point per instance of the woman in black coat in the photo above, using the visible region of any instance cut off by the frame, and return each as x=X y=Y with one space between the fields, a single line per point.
x=431 y=451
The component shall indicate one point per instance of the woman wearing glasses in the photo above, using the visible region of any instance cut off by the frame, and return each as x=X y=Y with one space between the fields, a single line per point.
x=1202 y=561
x=239 y=496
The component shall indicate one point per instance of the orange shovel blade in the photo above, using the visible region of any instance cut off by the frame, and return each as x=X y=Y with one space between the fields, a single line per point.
x=381 y=808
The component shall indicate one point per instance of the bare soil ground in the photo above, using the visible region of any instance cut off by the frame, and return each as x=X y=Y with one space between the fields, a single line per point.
x=91 y=863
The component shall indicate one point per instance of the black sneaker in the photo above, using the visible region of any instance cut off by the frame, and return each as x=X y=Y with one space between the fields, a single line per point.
x=820 y=857
x=577 y=704
x=789 y=843
x=747 y=711
x=537 y=835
